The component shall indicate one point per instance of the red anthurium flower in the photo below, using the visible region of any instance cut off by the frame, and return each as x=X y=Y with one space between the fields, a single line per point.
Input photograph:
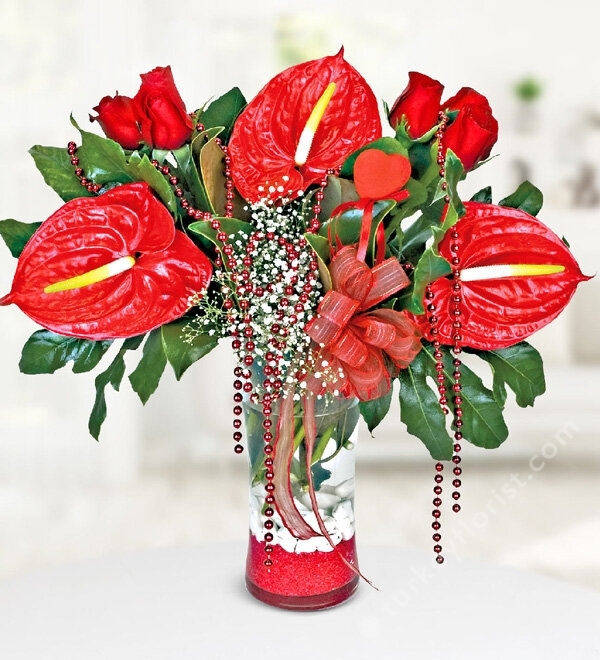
x=108 y=266
x=307 y=119
x=470 y=135
x=377 y=175
x=354 y=340
x=516 y=276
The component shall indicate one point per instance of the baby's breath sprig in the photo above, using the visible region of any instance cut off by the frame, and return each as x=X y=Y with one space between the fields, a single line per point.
x=277 y=290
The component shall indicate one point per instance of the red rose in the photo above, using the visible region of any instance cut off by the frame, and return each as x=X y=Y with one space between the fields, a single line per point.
x=419 y=103
x=164 y=122
x=118 y=119
x=474 y=131
x=156 y=115
x=471 y=134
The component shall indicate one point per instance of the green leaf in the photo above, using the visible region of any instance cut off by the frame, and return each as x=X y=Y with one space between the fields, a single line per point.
x=420 y=409
x=102 y=159
x=418 y=232
x=146 y=376
x=527 y=198
x=374 y=411
x=55 y=166
x=484 y=196
x=16 y=234
x=189 y=173
x=347 y=226
x=521 y=368
x=223 y=111
x=45 y=352
x=113 y=376
x=483 y=422
x=182 y=353
x=106 y=163
x=429 y=268
x=320 y=245
x=454 y=174
x=141 y=169
x=230 y=226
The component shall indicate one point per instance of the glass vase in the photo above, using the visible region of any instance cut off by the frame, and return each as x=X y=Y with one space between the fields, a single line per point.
x=321 y=571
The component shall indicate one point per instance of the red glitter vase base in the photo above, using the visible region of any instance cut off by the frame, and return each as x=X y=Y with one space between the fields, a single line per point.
x=304 y=603
x=302 y=581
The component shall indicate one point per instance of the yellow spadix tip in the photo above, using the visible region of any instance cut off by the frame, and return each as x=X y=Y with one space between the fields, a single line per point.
x=92 y=276
x=508 y=270
x=308 y=133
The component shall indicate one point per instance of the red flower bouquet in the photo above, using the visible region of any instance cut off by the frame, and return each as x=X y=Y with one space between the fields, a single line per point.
x=333 y=252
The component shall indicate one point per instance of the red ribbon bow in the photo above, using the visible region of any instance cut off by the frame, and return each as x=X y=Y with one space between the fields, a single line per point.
x=352 y=339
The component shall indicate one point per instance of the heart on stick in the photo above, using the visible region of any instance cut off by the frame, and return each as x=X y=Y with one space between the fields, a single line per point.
x=378 y=175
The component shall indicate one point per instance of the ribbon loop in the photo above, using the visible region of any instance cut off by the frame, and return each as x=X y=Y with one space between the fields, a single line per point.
x=353 y=339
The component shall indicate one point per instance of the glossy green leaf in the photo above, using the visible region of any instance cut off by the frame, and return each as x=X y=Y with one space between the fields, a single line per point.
x=105 y=162
x=54 y=163
x=16 y=234
x=483 y=421
x=146 y=376
x=45 y=352
x=112 y=376
x=417 y=232
x=374 y=411
x=527 y=198
x=484 y=196
x=189 y=175
x=141 y=169
x=521 y=368
x=223 y=111
x=420 y=409
x=346 y=227
x=182 y=353
x=231 y=226
x=430 y=267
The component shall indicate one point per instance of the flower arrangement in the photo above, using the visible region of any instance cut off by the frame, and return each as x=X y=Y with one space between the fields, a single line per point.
x=332 y=248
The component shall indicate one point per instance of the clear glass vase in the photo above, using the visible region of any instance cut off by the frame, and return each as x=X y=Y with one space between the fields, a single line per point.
x=305 y=573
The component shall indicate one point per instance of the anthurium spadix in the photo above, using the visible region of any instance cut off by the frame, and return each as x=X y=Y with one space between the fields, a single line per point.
x=306 y=120
x=516 y=276
x=109 y=266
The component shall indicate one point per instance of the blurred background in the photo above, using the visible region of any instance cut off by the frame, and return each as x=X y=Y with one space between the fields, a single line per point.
x=166 y=474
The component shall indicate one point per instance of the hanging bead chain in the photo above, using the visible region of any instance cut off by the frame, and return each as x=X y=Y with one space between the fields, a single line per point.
x=456 y=313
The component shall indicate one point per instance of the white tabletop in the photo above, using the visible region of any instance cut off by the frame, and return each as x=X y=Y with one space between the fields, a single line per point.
x=190 y=602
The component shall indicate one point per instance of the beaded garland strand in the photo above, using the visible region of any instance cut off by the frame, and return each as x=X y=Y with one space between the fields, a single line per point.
x=243 y=333
x=457 y=410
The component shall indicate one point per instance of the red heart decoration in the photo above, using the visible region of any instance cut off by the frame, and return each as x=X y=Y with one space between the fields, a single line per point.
x=378 y=175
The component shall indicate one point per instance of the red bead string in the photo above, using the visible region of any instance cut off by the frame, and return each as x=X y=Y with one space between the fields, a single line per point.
x=456 y=313
x=89 y=185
